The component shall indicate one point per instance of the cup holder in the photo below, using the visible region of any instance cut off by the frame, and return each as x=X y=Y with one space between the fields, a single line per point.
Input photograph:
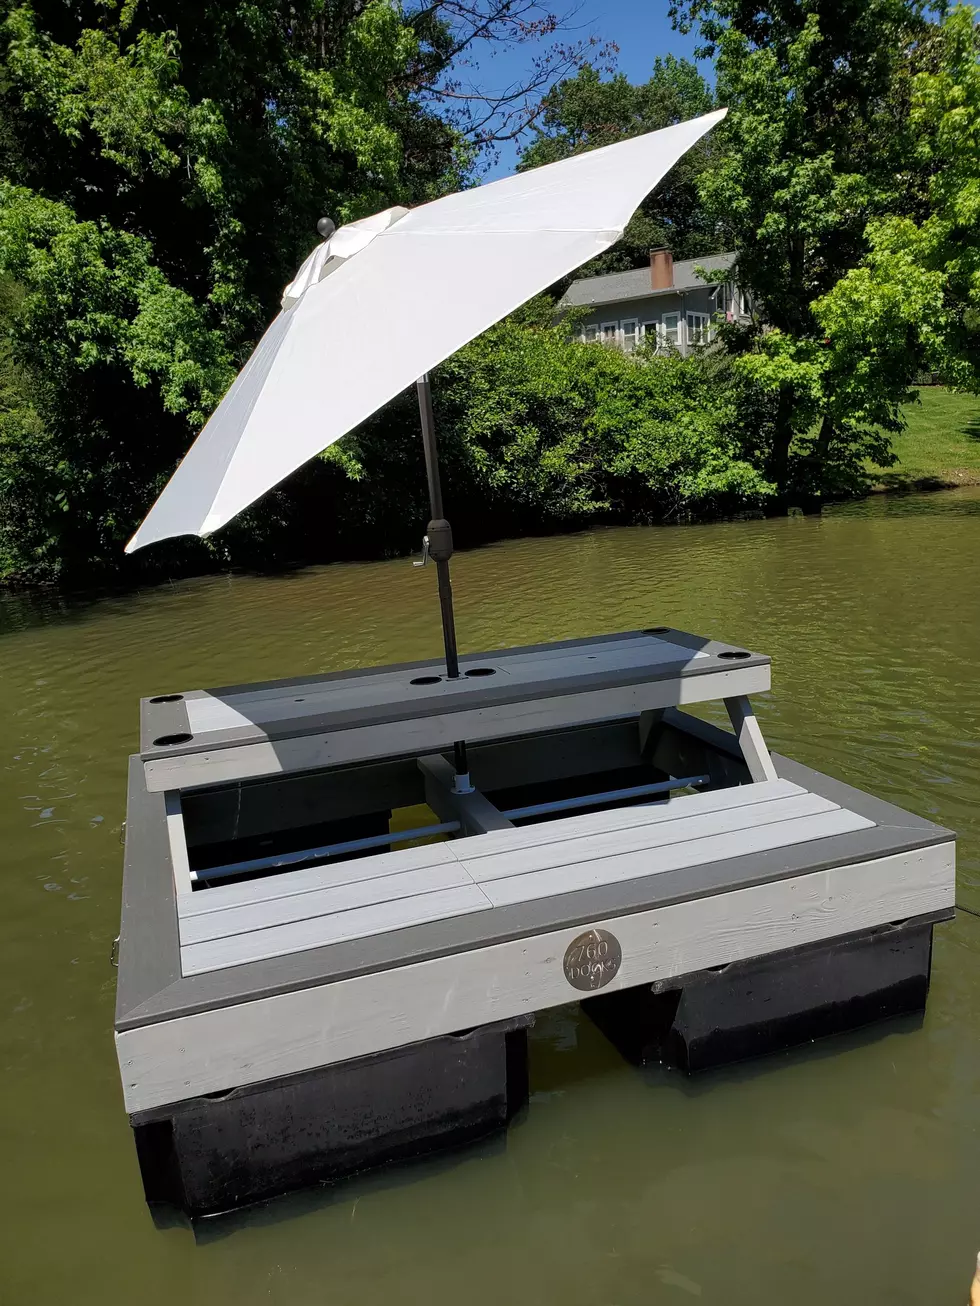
x=734 y=655
x=425 y=680
x=475 y=672
x=168 y=698
x=168 y=741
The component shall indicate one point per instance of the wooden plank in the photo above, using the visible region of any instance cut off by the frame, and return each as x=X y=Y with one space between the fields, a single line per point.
x=750 y=740
x=533 y=847
x=247 y=707
x=417 y=736
x=312 y=878
x=632 y=865
x=221 y=1049
x=255 y=913
x=681 y=752
x=324 y=902
x=178 y=847
x=376 y=918
x=624 y=818
x=642 y=837
x=649 y=727
x=714 y=736
x=602 y=648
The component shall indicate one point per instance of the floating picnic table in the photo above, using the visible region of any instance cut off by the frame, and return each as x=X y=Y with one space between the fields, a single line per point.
x=285 y=936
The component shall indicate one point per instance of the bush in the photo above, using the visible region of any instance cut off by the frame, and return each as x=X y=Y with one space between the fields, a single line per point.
x=538 y=431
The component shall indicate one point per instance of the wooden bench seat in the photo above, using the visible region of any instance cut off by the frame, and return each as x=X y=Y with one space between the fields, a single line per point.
x=234 y=924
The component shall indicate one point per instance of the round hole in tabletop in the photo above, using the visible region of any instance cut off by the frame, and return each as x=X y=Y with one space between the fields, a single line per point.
x=481 y=671
x=425 y=680
x=168 y=698
x=167 y=741
x=731 y=654
x=657 y=630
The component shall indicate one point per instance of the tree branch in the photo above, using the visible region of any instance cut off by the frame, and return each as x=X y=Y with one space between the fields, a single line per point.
x=455 y=29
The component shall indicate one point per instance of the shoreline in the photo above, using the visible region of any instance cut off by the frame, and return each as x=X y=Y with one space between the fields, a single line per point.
x=109 y=589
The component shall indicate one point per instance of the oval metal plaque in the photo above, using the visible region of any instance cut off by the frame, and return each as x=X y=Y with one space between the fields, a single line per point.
x=592 y=960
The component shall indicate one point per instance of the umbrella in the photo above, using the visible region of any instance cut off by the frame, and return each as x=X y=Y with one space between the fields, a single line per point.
x=425 y=281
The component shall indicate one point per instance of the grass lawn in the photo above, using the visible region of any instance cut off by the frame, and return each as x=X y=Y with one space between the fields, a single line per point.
x=941 y=446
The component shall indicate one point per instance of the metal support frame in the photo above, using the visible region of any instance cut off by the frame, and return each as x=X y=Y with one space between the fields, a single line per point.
x=475 y=812
x=289 y=861
x=610 y=796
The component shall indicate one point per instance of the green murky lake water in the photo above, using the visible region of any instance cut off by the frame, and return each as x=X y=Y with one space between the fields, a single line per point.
x=846 y=1172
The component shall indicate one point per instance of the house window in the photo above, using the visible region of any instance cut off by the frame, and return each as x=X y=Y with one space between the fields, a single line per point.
x=698 y=328
x=670 y=334
x=731 y=302
x=631 y=334
x=610 y=333
x=651 y=332
x=590 y=334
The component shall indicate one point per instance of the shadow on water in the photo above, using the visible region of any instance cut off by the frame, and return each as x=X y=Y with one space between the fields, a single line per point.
x=908 y=498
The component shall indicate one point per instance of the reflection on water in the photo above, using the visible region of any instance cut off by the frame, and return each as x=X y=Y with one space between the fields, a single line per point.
x=843 y=1172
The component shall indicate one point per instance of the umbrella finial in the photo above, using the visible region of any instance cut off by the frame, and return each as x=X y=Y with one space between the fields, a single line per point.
x=326 y=227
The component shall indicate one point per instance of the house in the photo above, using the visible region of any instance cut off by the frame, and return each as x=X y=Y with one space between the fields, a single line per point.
x=667 y=300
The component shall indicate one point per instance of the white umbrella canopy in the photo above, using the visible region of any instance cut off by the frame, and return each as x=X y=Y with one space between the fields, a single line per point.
x=386 y=299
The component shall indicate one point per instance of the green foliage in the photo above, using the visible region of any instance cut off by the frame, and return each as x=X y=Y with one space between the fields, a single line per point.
x=94 y=298
x=162 y=169
x=129 y=97
x=819 y=143
x=585 y=112
x=93 y=326
x=156 y=193
x=933 y=265
x=538 y=430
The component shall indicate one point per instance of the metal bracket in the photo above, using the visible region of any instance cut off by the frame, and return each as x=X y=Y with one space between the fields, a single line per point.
x=425 y=552
x=461 y=783
x=474 y=811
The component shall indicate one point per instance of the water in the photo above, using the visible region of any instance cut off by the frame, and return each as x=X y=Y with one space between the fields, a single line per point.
x=846 y=1172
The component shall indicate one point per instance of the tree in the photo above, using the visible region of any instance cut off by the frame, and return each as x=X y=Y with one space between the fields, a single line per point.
x=818 y=143
x=585 y=112
x=161 y=172
x=933 y=265
x=459 y=29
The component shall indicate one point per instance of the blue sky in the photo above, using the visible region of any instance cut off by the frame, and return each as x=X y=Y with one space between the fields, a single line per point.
x=640 y=28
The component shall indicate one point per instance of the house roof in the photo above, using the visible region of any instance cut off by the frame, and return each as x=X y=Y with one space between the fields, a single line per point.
x=616 y=286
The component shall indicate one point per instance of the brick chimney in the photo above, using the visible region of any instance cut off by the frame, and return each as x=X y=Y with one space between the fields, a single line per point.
x=661 y=269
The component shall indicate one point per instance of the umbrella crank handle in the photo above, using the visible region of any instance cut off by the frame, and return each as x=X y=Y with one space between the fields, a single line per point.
x=437 y=543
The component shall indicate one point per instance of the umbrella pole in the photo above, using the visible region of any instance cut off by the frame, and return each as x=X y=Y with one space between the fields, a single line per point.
x=439 y=546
